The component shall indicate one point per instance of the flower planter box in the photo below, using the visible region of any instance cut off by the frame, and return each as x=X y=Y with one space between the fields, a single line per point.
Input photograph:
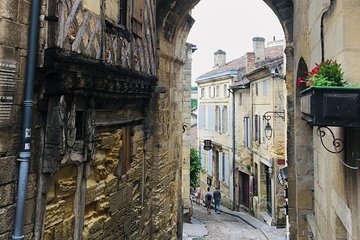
x=331 y=106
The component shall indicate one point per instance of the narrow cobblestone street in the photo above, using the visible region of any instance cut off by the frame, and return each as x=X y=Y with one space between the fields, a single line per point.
x=225 y=226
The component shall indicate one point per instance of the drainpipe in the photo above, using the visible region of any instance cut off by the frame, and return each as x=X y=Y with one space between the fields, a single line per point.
x=24 y=154
x=233 y=145
x=332 y=2
x=322 y=36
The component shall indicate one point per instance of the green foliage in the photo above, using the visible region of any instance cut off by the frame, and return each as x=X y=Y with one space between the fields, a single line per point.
x=328 y=73
x=195 y=167
x=194 y=88
x=193 y=103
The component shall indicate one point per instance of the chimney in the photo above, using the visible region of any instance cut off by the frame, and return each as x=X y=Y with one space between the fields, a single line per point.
x=250 y=62
x=219 y=58
x=259 y=48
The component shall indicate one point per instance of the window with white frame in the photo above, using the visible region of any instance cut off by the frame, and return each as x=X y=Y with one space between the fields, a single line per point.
x=217 y=91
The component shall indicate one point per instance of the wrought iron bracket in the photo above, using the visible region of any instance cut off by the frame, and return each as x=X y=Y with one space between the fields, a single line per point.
x=267 y=115
x=337 y=143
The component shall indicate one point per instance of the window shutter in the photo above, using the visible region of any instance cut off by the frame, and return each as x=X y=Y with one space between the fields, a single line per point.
x=137 y=16
x=221 y=177
x=209 y=165
x=201 y=117
x=228 y=120
x=202 y=159
x=221 y=119
x=211 y=117
x=226 y=163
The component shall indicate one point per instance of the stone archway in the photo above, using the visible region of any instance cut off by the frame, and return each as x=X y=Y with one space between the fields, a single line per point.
x=173 y=25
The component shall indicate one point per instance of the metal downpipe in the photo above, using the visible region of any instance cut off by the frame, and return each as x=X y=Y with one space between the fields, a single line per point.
x=24 y=154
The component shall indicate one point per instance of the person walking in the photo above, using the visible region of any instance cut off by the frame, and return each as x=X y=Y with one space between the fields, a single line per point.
x=198 y=197
x=217 y=199
x=208 y=198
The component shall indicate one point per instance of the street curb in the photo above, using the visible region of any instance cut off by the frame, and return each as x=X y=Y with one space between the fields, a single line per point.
x=234 y=215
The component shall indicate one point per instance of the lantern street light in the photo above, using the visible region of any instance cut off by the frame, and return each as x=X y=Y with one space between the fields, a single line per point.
x=267 y=116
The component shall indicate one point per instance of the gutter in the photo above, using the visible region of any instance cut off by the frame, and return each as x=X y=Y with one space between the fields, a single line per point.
x=25 y=153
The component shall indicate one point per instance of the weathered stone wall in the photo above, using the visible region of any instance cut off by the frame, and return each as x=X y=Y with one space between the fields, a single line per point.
x=14 y=19
x=336 y=189
x=334 y=200
x=186 y=125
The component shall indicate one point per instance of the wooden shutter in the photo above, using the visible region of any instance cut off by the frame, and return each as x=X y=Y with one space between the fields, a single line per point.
x=125 y=150
x=137 y=17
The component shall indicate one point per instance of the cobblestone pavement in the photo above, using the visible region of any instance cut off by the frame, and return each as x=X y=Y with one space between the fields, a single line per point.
x=226 y=227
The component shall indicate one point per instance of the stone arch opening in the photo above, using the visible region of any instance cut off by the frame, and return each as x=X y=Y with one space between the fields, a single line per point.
x=173 y=25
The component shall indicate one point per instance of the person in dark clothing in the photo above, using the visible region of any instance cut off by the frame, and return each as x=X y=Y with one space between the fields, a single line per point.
x=217 y=199
x=208 y=198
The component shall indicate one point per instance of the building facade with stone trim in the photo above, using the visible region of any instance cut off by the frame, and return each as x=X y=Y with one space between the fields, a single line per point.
x=214 y=123
x=267 y=98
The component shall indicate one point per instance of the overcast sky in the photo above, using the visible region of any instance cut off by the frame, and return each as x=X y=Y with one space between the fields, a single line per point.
x=229 y=25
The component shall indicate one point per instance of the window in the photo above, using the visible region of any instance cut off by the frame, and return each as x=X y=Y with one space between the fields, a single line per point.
x=257 y=128
x=265 y=88
x=256 y=89
x=240 y=99
x=123 y=13
x=80 y=125
x=217 y=91
x=246 y=132
x=202 y=92
x=137 y=17
x=125 y=149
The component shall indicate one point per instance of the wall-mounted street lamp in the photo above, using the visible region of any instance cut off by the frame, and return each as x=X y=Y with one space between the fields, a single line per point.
x=267 y=116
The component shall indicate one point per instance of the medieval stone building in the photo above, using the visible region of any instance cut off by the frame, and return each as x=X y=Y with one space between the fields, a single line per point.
x=105 y=131
x=104 y=122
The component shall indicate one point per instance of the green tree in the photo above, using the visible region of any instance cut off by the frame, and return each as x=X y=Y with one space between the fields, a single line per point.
x=195 y=166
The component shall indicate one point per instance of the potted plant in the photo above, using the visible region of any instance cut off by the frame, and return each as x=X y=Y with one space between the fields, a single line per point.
x=328 y=101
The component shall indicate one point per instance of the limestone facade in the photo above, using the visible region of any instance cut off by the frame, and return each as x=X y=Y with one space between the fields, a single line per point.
x=328 y=195
x=260 y=93
x=96 y=170
x=214 y=123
